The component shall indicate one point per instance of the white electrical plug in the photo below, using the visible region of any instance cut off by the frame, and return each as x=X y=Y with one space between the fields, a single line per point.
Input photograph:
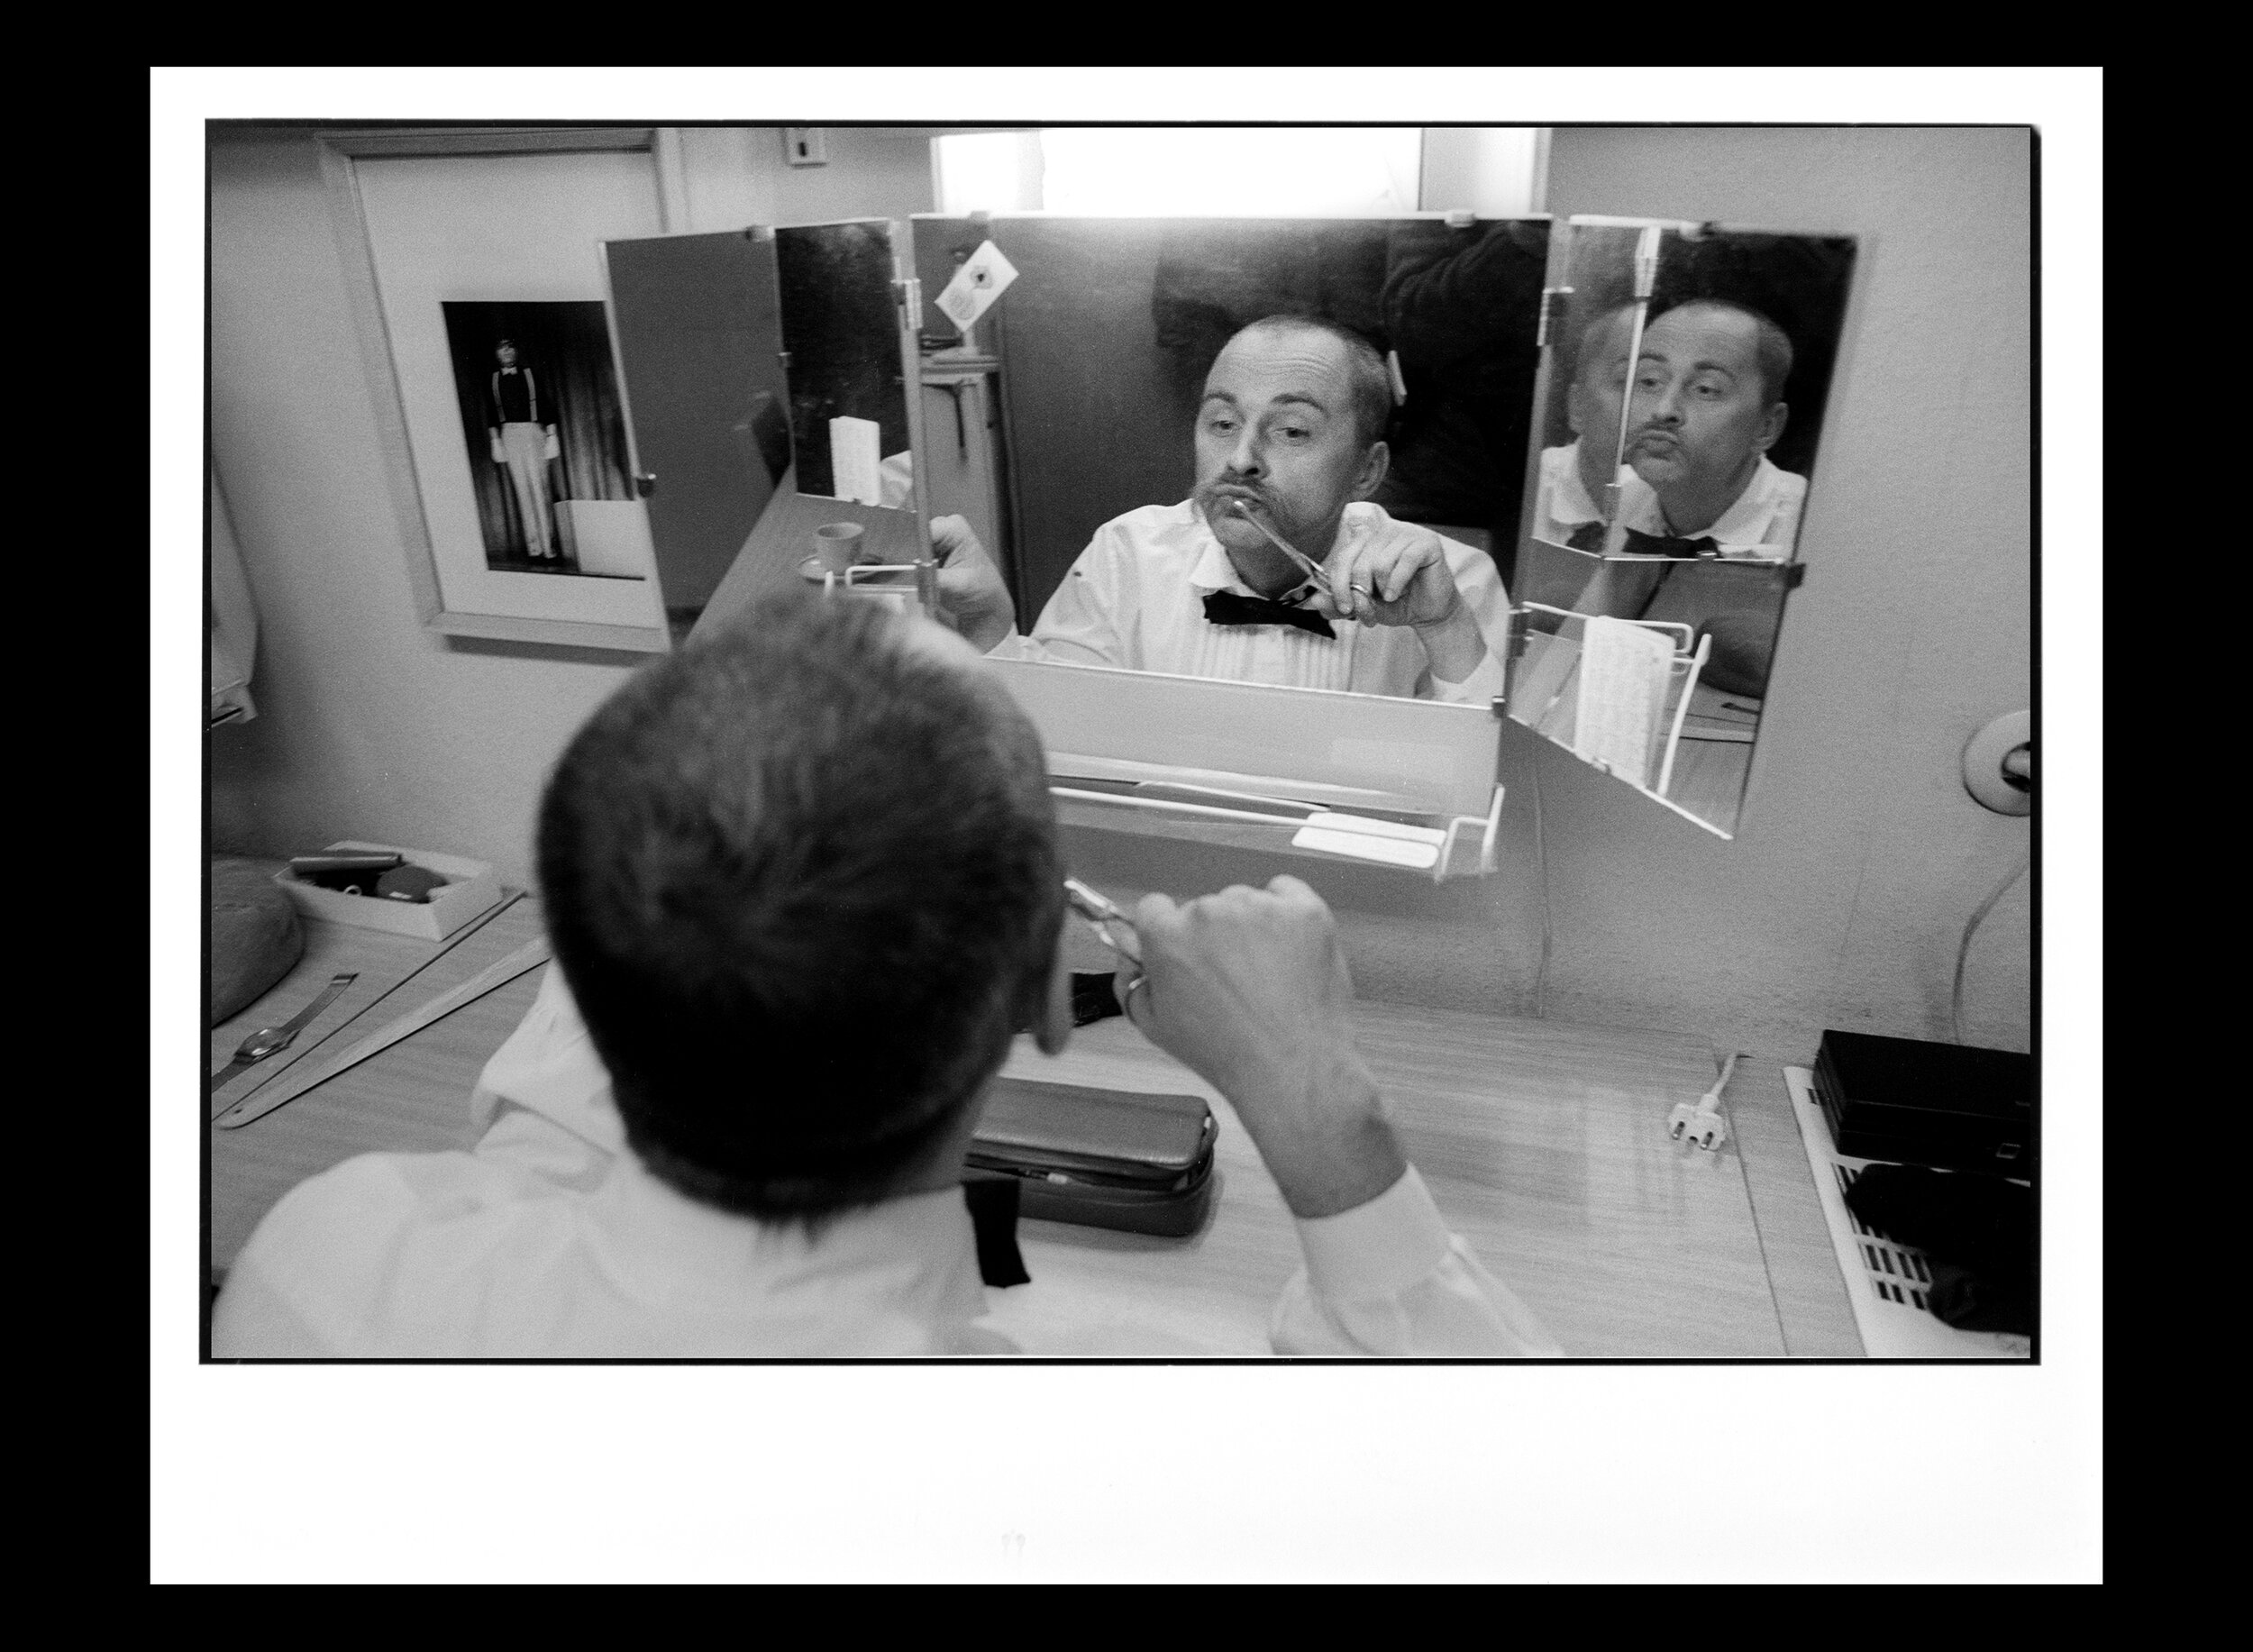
x=1701 y=1122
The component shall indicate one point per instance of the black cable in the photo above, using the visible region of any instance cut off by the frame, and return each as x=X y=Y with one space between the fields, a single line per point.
x=1962 y=950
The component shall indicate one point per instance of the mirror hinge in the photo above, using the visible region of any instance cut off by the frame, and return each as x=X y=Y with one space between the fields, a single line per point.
x=1553 y=302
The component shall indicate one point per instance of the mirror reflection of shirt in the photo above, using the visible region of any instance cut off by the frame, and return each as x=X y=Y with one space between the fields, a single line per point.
x=1136 y=599
x=1561 y=503
x=1763 y=522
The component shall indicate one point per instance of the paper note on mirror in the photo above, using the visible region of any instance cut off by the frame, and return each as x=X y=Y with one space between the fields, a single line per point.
x=1623 y=673
x=983 y=277
x=856 y=459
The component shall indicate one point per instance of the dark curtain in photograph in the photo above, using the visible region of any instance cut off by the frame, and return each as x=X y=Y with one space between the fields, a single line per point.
x=566 y=348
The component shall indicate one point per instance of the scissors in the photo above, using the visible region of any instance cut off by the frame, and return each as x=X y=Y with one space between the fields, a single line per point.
x=1101 y=915
x=1316 y=577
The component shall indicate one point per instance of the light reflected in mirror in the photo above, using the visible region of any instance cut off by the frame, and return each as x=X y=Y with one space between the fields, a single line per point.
x=1192 y=492
x=1686 y=390
x=849 y=420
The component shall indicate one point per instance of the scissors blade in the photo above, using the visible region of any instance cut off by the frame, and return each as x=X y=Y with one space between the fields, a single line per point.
x=530 y=955
x=1101 y=913
x=1306 y=564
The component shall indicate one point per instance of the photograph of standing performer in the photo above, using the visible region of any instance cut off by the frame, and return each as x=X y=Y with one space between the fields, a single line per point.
x=522 y=443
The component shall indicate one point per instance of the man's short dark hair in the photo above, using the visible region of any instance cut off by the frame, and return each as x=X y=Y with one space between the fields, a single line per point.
x=801 y=879
x=1371 y=381
x=1772 y=346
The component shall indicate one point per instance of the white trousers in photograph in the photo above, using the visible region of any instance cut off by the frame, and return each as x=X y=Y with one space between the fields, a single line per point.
x=526 y=447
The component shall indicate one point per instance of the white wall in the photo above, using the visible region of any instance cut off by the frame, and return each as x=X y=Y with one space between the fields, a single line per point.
x=368 y=726
x=1859 y=857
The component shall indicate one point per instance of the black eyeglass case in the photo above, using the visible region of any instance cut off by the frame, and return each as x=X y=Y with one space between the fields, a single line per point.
x=1102 y=1158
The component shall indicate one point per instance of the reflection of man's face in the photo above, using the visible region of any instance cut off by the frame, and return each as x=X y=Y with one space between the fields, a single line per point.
x=1600 y=384
x=1702 y=413
x=1277 y=427
x=506 y=354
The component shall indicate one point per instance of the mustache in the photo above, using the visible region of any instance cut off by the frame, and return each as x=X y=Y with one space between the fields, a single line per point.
x=1215 y=494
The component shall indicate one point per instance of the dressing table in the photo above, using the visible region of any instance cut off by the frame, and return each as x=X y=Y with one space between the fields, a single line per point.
x=1544 y=1145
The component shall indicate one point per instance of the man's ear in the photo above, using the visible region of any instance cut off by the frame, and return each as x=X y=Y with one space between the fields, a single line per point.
x=1772 y=425
x=1052 y=1019
x=1373 y=466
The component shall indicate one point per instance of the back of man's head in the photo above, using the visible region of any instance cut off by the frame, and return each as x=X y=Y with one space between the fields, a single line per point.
x=802 y=881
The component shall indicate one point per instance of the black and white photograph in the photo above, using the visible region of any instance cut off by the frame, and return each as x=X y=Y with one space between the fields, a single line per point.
x=1379 y=835
x=542 y=420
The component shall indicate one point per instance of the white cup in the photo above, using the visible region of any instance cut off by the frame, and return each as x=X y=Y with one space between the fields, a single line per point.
x=837 y=544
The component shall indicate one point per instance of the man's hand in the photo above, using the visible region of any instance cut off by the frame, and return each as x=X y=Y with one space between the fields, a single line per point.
x=973 y=598
x=1399 y=576
x=1395 y=575
x=500 y=454
x=1248 y=988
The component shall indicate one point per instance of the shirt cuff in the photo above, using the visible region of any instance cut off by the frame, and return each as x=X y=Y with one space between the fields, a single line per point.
x=1486 y=683
x=1380 y=1248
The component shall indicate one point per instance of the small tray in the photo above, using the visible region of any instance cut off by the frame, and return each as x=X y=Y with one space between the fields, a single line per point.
x=471 y=889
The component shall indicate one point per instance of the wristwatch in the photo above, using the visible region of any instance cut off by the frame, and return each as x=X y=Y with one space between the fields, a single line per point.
x=273 y=1040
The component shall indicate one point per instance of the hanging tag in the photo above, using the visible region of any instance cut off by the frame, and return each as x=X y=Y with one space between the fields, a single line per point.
x=983 y=277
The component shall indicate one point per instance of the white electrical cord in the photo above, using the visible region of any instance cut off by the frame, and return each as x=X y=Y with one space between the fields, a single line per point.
x=1701 y=1122
x=1963 y=949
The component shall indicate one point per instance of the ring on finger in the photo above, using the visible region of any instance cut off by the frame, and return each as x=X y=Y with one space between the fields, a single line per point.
x=1126 y=998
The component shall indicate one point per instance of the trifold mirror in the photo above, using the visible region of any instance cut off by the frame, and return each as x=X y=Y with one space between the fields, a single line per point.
x=1555 y=468
x=1644 y=532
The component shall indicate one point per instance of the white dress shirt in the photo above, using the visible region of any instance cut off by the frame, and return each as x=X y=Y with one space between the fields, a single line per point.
x=1561 y=503
x=1136 y=599
x=550 y=1239
x=1763 y=522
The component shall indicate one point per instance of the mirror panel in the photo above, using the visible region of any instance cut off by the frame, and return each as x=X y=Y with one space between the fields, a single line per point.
x=1104 y=338
x=841 y=337
x=1685 y=377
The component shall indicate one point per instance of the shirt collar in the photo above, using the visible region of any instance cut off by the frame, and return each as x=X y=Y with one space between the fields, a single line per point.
x=914 y=1248
x=1214 y=570
x=1568 y=497
x=1745 y=522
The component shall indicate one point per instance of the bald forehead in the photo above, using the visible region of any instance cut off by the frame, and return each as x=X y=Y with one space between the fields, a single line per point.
x=1286 y=351
x=1699 y=335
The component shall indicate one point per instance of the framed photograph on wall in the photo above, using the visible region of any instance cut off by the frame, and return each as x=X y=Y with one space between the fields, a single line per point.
x=475 y=264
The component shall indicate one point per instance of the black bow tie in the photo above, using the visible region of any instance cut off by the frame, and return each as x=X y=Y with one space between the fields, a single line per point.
x=992 y=1201
x=1659 y=544
x=1227 y=608
x=1590 y=536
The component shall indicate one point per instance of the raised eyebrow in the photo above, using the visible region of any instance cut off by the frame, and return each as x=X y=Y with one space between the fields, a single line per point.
x=1721 y=368
x=1219 y=396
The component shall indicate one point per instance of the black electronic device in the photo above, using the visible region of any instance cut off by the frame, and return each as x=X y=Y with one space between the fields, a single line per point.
x=1946 y=1106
